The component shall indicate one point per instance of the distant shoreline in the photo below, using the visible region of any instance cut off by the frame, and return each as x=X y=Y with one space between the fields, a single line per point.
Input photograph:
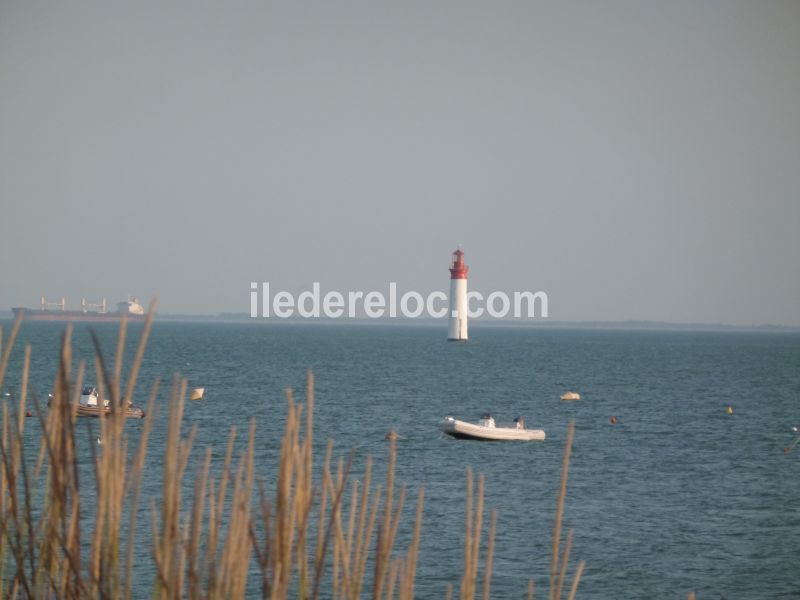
x=244 y=318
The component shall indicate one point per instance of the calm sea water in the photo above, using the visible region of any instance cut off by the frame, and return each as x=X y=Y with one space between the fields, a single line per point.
x=679 y=495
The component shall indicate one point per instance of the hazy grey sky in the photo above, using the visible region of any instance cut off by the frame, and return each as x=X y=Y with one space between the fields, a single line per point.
x=634 y=160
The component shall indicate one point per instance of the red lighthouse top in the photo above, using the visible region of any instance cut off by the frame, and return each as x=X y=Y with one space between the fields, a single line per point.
x=458 y=270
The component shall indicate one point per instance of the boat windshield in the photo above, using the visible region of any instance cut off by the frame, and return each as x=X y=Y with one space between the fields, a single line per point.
x=87 y=390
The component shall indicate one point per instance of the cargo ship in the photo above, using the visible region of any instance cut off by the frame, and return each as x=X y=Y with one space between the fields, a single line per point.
x=89 y=312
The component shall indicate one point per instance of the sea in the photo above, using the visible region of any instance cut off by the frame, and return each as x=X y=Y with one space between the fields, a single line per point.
x=691 y=489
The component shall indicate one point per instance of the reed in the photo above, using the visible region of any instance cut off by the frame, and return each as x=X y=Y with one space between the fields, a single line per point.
x=558 y=568
x=320 y=535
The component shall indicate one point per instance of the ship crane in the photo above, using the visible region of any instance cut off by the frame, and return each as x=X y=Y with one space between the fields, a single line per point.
x=100 y=307
x=59 y=304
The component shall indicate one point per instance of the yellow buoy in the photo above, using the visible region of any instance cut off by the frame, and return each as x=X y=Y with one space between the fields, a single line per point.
x=729 y=410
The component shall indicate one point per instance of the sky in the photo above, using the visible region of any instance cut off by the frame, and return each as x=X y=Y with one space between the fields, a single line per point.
x=633 y=160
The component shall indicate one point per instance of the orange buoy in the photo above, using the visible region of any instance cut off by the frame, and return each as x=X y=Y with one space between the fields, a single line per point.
x=613 y=420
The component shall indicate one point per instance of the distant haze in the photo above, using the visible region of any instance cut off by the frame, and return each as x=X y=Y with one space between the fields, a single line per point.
x=634 y=160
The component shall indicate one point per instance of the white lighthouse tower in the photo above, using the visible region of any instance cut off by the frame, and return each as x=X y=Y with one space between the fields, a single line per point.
x=457 y=330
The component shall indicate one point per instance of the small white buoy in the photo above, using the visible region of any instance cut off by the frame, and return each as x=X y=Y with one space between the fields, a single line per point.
x=197 y=394
x=571 y=396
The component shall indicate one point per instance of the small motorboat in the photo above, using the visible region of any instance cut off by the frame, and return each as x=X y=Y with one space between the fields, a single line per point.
x=571 y=396
x=487 y=430
x=197 y=394
x=88 y=405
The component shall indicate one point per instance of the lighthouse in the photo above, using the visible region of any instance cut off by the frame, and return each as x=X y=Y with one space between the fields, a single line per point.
x=457 y=330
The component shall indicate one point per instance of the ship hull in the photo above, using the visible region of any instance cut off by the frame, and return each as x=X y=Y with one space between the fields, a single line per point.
x=132 y=412
x=33 y=314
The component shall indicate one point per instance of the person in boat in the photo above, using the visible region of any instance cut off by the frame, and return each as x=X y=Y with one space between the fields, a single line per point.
x=486 y=420
x=519 y=422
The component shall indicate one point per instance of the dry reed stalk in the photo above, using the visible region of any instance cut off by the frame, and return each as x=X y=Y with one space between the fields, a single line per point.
x=576 y=580
x=364 y=531
x=194 y=533
x=472 y=536
x=285 y=513
x=407 y=582
x=464 y=589
x=111 y=470
x=70 y=534
x=348 y=543
x=487 y=578
x=47 y=423
x=373 y=519
x=6 y=354
x=262 y=552
x=305 y=489
x=236 y=551
x=23 y=393
x=18 y=449
x=111 y=475
x=562 y=574
x=167 y=544
x=336 y=494
x=216 y=505
x=531 y=586
x=560 y=510
x=477 y=530
x=395 y=567
x=323 y=509
x=134 y=487
x=211 y=554
x=11 y=513
x=401 y=497
x=17 y=436
x=339 y=574
x=385 y=527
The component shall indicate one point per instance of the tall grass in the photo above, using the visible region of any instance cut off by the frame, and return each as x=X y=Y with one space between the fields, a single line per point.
x=325 y=534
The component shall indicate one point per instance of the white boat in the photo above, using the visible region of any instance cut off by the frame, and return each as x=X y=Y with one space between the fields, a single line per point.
x=487 y=430
x=88 y=406
x=571 y=396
